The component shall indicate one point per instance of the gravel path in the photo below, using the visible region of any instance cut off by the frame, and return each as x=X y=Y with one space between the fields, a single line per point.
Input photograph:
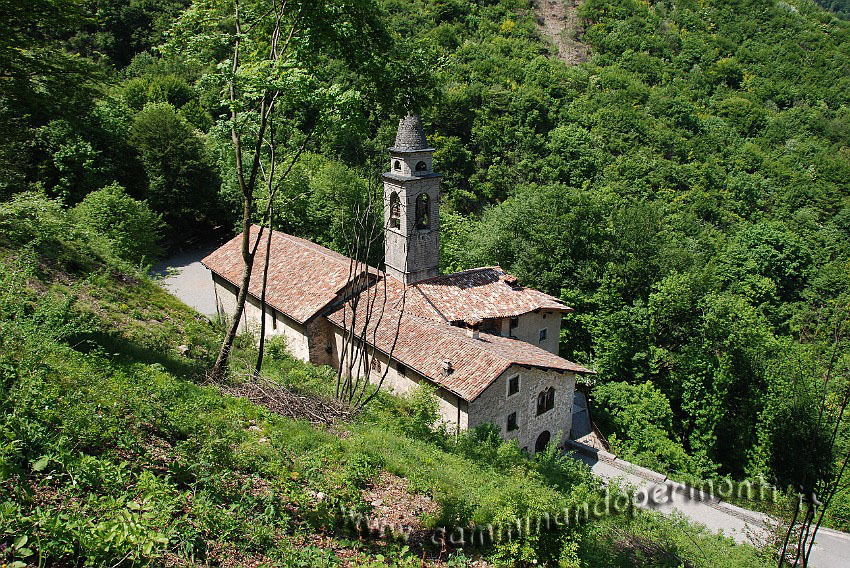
x=185 y=277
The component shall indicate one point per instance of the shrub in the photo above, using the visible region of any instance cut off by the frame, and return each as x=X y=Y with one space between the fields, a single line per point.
x=424 y=409
x=130 y=229
x=640 y=419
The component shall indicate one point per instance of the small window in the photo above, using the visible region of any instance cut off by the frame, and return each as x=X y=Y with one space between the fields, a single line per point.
x=421 y=167
x=402 y=370
x=422 y=214
x=513 y=385
x=395 y=211
x=543 y=333
x=397 y=166
x=274 y=319
x=375 y=364
x=514 y=323
x=512 y=425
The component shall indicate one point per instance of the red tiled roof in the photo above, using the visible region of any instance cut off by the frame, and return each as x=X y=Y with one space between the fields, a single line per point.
x=481 y=293
x=303 y=277
x=424 y=344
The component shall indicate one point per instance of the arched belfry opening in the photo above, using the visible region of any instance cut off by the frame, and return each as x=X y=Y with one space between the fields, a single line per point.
x=422 y=213
x=395 y=210
x=412 y=192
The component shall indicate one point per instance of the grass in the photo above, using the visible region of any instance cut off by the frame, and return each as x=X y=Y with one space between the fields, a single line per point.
x=113 y=451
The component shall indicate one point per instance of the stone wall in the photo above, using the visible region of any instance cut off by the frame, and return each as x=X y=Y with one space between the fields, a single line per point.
x=494 y=405
x=408 y=249
x=452 y=409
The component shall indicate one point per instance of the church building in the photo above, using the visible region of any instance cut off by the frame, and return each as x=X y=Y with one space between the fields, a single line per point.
x=487 y=344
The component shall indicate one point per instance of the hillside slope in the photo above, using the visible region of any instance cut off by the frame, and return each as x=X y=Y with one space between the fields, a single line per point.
x=114 y=452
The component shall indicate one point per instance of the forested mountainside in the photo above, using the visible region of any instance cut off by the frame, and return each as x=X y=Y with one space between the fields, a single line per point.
x=686 y=190
x=840 y=7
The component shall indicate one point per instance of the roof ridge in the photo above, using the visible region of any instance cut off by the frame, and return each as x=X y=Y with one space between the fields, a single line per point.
x=459 y=272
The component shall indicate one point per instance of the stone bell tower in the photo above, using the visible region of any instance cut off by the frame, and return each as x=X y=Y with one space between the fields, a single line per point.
x=411 y=206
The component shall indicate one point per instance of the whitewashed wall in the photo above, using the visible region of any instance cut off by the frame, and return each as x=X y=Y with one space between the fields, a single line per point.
x=452 y=409
x=277 y=323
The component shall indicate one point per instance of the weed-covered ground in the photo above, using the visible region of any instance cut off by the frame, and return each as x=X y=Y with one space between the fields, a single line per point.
x=114 y=450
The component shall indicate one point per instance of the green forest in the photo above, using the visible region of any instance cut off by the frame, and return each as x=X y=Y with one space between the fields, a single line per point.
x=686 y=190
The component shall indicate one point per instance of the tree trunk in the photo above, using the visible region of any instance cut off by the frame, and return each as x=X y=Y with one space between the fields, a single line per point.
x=258 y=367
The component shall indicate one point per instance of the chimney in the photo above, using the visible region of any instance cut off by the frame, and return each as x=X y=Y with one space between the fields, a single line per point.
x=472 y=328
x=447 y=368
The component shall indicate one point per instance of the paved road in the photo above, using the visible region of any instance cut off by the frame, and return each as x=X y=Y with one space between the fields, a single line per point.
x=185 y=277
x=831 y=549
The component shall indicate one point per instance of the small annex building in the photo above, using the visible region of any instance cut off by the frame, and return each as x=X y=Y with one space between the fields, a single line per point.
x=486 y=343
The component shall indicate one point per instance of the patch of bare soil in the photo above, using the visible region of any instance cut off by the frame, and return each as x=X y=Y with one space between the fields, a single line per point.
x=559 y=22
x=395 y=509
x=397 y=513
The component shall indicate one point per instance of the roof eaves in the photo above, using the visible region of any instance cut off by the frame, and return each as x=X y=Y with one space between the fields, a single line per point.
x=428 y=377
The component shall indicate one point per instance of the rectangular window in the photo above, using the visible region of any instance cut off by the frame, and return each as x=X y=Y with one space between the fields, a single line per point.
x=512 y=425
x=513 y=385
x=402 y=370
x=514 y=323
x=274 y=319
x=542 y=335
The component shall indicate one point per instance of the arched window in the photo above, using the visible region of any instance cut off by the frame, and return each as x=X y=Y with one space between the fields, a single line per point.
x=541 y=403
x=397 y=166
x=545 y=401
x=395 y=211
x=423 y=219
x=421 y=167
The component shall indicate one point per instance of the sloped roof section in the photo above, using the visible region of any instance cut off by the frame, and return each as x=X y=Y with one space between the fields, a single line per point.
x=482 y=293
x=410 y=136
x=303 y=277
x=424 y=344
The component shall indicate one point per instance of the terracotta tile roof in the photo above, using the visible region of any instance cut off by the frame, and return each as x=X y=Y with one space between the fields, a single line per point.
x=481 y=293
x=303 y=277
x=424 y=344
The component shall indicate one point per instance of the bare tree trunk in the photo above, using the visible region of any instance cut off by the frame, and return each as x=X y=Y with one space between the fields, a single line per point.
x=258 y=367
x=247 y=183
x=365 y=310
x=828 y=486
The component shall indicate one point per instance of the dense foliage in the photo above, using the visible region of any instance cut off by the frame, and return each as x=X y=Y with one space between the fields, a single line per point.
x=686 y=190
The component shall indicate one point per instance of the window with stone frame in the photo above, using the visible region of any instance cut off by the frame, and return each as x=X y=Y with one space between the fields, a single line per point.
x=543 y=333
x=512 y=422
x=513 y=385
x=545 y=401
x=395 y=210
x=423 y=217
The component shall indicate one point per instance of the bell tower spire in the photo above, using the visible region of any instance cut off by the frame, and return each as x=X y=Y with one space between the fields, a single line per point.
x=411 y=206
